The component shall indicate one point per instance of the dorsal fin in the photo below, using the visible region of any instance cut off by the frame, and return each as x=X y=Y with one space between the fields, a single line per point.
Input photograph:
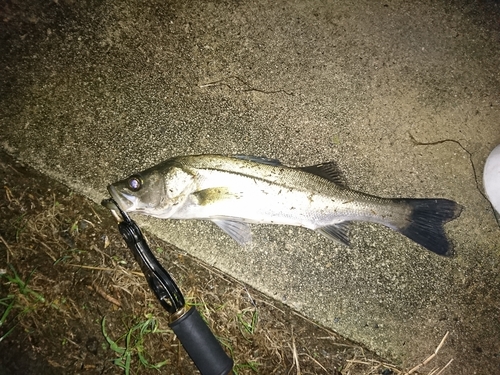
x=258 y=159
x=330 y=171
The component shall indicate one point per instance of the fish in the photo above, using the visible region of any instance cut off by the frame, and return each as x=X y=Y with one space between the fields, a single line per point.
x=237 y=190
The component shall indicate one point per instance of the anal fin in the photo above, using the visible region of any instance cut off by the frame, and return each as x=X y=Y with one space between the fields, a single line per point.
x=337 y=232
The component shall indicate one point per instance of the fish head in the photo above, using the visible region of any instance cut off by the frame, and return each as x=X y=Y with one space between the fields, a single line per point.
x=158 y=191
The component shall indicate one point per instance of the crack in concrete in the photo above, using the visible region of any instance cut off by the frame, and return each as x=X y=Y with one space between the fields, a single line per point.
x=223 y=82
x=418 y=143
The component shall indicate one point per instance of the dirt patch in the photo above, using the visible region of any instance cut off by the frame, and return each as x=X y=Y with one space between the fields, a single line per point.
x=73 y=300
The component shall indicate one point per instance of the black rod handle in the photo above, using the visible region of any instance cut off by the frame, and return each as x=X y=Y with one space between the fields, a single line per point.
x=201 y=344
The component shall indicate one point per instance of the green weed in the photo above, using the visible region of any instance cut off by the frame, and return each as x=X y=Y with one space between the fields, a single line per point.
x=244 y=366
x=12 y=301
x=8 y=302
x=252 y=365
x=20 y=225
x=131 y=344
x=247 y=320
x=23 y=285
x=69 y=254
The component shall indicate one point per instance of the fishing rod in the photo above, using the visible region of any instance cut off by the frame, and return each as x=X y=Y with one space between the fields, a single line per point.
x=186 y=322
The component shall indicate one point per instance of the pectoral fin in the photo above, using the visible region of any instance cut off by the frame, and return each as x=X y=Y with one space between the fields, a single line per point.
x=238 y=230
x=338 y=232
x=209 y=196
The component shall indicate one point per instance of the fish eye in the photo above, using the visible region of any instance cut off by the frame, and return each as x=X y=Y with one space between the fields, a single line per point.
x=135 y=183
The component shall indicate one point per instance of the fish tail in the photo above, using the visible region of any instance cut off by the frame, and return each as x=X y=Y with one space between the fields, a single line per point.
x=425 y=224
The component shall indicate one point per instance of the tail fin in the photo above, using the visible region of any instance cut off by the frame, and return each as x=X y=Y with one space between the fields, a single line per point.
x=427 y=220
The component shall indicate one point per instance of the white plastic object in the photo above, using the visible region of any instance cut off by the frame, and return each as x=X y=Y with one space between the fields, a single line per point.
x=491 y=178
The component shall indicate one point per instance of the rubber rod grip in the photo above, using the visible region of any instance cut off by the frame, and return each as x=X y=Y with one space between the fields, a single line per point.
x=201 y=344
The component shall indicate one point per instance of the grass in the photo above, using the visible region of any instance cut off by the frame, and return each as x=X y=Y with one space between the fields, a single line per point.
x=240 y=367
x=247 y=320
x=131 y=344
x=68 y=255
x=20 y=224
x=23 y=299
x=8 y=302
x=23 y=285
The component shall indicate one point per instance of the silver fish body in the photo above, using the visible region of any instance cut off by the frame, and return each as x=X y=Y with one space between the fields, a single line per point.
x=233 y=191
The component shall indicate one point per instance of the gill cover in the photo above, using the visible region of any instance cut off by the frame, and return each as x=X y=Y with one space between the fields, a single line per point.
x=158 y=191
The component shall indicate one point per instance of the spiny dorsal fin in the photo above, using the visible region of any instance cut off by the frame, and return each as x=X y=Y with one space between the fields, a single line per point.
x=258 y=159
x=330 y=171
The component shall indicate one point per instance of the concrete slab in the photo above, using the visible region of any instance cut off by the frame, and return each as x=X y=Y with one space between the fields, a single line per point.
x=405 y=97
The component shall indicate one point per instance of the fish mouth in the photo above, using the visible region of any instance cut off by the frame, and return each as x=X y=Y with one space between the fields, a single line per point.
x=126 y=202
